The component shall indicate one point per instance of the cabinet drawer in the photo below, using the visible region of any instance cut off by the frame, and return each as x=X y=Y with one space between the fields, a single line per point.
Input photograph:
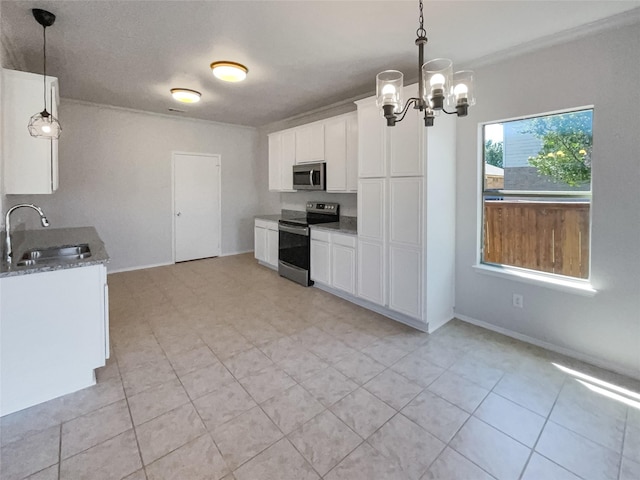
x=320 y=235
x=344 y=240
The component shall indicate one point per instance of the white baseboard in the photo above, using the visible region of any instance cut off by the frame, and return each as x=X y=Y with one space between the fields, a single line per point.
x=229 y=254
x=598 y=362
x=139 y=267
x=398 y=317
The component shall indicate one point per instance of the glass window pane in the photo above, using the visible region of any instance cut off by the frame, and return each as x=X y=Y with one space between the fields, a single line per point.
x=534 y=229
x=546 y=153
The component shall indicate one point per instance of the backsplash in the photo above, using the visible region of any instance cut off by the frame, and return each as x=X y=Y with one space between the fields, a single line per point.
x=298 y=201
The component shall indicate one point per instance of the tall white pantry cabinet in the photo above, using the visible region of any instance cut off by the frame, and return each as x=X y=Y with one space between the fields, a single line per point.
x=406 y=215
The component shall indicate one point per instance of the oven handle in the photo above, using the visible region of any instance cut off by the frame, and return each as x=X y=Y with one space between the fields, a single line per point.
x=295 y=230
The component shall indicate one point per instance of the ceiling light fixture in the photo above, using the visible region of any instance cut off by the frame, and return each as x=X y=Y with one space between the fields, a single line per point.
x=438 y=87
x=44 y=124
x=229 y=71
x=185 y=95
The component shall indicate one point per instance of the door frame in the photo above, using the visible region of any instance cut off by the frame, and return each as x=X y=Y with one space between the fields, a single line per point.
x=217 y=157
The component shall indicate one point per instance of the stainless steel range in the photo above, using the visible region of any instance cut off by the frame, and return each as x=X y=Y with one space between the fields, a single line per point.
x=294 y=248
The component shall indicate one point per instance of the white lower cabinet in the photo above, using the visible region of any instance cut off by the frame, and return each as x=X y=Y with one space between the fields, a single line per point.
x=371 y=271
x=334 y=260
x=265 y=235
x=405 y=285
x=54 y=333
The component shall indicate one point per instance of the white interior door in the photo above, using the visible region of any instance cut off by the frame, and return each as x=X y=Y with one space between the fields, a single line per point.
x=196 y=206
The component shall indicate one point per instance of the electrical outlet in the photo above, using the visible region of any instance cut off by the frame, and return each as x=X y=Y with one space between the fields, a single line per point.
x=518 y=300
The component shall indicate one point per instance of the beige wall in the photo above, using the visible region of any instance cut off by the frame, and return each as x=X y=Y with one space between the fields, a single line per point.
x=115 y=174
x=600 y=70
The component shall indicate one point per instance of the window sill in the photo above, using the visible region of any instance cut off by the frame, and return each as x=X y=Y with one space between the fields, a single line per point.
x=579 y=287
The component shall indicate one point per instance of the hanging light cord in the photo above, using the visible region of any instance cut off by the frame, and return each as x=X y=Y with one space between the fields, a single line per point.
x=44 y=78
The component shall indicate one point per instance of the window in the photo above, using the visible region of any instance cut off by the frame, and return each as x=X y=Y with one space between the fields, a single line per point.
x=536 y=193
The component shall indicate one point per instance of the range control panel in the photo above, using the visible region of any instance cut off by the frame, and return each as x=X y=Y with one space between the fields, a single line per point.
x=326 y=208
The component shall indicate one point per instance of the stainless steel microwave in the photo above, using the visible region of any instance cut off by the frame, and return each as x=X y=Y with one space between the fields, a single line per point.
x=309 y=176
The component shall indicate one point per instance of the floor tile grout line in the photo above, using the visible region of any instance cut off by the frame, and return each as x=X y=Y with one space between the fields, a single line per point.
x=624 y=441
x=547 y=420
x=135 y=432
x=60 y=453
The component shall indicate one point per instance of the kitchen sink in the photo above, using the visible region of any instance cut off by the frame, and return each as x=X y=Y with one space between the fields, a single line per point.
x=53 y=255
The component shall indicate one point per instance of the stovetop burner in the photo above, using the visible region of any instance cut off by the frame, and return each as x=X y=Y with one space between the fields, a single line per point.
x=317 y=212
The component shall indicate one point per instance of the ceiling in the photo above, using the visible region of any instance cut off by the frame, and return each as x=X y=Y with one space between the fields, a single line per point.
x=301 y=55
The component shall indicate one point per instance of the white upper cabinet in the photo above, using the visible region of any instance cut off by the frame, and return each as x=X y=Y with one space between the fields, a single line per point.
x=341 y=152
x=281 y=157
x=336 y=152
x=405 y=159
x=333 y=141
x=30 y=164
x=288 y=159
x=371 y=142
x=310 y=143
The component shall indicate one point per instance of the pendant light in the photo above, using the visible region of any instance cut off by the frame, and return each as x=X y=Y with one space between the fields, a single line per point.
x=44 y=124
x=438 y=87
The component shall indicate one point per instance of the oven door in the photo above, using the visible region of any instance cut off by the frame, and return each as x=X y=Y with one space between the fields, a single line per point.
x=309 y=177
x=294 y=253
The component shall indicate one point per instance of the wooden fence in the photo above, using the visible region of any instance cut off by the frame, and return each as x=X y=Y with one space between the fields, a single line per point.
x=545 y=236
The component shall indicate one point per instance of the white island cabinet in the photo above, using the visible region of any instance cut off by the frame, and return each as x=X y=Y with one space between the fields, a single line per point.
x=54 y=333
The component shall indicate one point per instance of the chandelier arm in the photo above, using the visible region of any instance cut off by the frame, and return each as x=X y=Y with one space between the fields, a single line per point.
x=404 y=111
x=449 y=113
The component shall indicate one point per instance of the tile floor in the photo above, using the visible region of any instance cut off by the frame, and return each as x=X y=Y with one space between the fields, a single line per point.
x=222 y=370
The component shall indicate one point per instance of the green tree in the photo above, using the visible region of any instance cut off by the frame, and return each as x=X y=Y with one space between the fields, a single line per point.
x=565 y=155
x=493 y=153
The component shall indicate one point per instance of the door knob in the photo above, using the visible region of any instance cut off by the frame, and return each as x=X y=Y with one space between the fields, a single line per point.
x=178 y=214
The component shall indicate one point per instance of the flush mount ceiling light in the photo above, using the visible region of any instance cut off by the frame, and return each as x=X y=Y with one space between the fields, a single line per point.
x=438 y=87
x=185 y=95
x=43 y=124
x=229 y=71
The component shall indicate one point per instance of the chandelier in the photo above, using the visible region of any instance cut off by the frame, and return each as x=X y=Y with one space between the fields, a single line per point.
x=438 y=87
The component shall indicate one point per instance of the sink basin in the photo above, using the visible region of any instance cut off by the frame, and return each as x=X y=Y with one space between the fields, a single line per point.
x=53 y=255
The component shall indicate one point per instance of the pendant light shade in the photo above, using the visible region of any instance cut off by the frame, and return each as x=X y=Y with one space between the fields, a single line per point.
x=43 y=124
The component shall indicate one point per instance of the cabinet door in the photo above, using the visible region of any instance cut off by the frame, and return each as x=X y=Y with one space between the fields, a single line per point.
x=320 y=262
x=371 y=208
x=405 y=210
x=310 y=143
x=28 y=164
x=371 y=157
x=275 y=156
x=405 y=280
x=404 y=138
x=371 y=271
x=272 y=247
x=260 y=243
x=287 y=160
x=352 y=153
x=343 y=268
x=336 y=154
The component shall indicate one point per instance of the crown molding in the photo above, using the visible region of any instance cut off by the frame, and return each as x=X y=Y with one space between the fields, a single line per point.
x=629 y=17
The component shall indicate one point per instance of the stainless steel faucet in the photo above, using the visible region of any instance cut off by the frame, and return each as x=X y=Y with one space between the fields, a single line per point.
x=7 y=223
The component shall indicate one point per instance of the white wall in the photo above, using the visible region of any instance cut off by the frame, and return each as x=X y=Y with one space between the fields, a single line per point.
x=115 y=174
x=602 y=70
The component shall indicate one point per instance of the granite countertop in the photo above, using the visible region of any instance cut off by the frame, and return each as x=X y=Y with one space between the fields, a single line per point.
x=348 y=225
x=53 y=237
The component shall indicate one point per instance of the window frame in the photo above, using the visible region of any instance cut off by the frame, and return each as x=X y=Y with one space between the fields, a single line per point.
x=582 y=286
